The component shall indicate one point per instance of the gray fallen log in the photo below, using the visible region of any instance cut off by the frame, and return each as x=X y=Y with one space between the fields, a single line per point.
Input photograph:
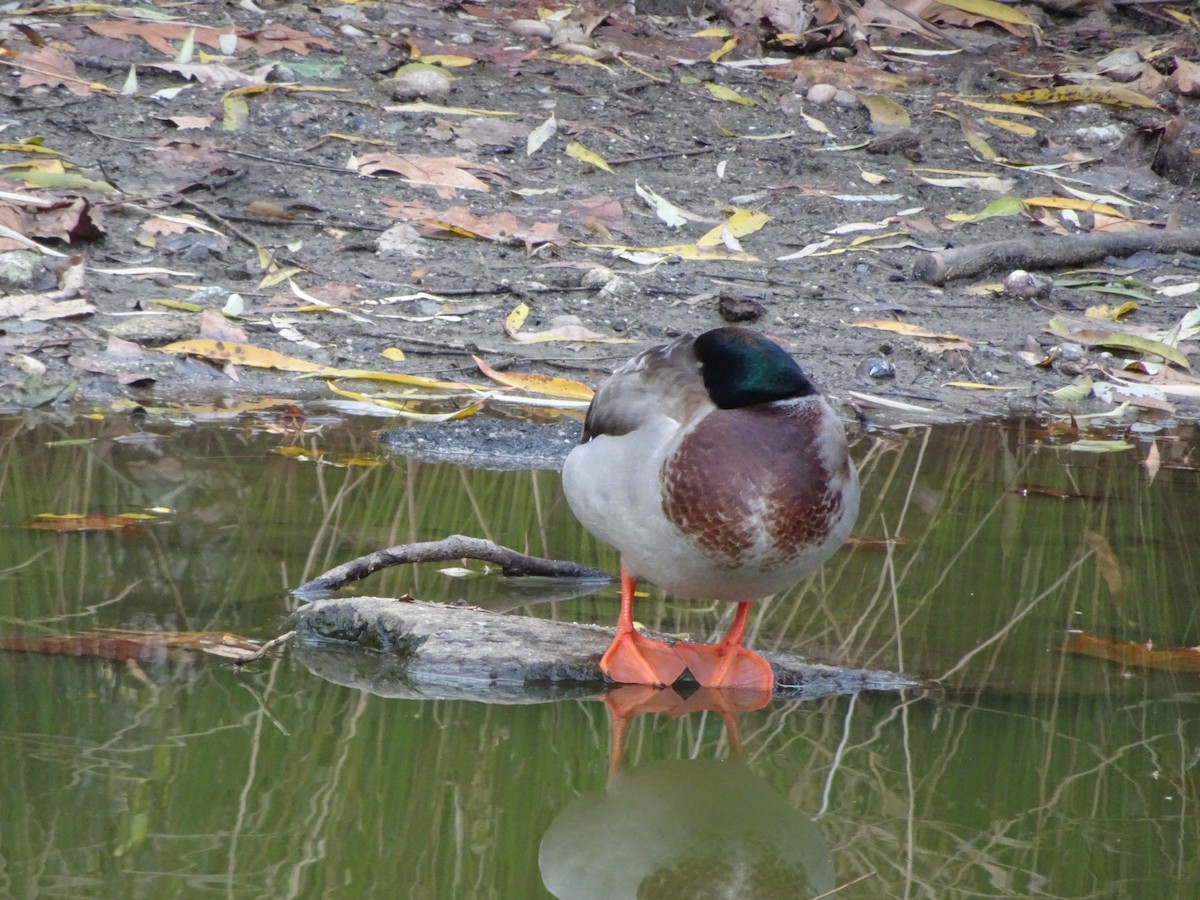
x=433 y=650
x=1049 y=252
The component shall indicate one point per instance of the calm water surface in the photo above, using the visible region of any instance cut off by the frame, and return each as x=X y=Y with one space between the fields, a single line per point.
x=1027 y=773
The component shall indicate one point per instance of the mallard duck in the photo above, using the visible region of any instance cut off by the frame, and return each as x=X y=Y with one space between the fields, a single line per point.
x=718 y=471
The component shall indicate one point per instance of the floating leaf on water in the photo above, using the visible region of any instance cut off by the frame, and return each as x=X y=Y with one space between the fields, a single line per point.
x=1087 y=445
x=1129 y=653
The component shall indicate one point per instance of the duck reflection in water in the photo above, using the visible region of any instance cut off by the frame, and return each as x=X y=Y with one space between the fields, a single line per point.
x=695 y=828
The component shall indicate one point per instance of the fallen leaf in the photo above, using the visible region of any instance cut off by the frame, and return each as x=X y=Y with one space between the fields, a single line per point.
x=576 y=150
x=906 y=329
x=243 y=354
x=538 y=384
x=1083 y=93
x=1129 y=653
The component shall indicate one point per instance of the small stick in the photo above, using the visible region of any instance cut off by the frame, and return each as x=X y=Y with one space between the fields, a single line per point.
x=651 y=157
x=264 y=649
x=456 y=546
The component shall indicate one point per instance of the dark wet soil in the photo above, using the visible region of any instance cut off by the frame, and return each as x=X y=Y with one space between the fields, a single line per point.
x=284 y=186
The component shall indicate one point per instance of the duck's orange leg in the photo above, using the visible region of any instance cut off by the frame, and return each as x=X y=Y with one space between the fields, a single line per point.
x=632 y=658
x=727 y=664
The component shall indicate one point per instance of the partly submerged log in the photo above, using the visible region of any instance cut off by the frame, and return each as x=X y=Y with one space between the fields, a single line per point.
x=434 y=650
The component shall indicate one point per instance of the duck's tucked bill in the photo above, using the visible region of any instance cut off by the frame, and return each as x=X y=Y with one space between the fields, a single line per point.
x=718 y=471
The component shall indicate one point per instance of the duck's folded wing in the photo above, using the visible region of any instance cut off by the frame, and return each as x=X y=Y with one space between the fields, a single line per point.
x=661 y=381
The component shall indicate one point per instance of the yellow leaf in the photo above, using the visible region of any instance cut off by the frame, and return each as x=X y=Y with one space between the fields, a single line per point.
x=515 y=319
x=1072 y=203
x=576 y=150
x=904 y=328
x=279 y=276
x=712 y=32
x=236 y=112
x=1107 y=313
x=1012 y=127
x=415 y=381
x=562 y=388
x=420 y=106
x=1008 y=109
x=990 y=9
x=1005 y=206
x=740 y=224
x=404 y=408
x=183 y=305
x=449 y=60
x=724 y=50
x=729 y=95
x=885 y=111
x=1083 y=93
x=242 y=354
x=395 y=354
x=975 y=140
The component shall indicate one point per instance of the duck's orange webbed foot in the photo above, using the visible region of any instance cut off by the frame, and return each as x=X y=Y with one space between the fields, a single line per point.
x=727 y=664
x=634 y=659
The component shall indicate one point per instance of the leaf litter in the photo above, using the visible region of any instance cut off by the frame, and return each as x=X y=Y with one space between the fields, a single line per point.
x=742 y=157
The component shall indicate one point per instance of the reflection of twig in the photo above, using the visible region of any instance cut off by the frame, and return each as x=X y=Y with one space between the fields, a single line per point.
x=457 y=546
x=863 y=877
x=1019 y=615
x=264 y=649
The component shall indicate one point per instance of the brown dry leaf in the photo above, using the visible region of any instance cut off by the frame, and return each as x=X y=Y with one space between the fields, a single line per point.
x=1139 y=656
x=68 y=220
x=216 y=75
x=1186 y=77
x=503 y=228
x=445 y=174
x=599 y=214
x=846 y=75
x=47 y=67
x=243 y=354
x=160 y=36
x=785 y=16
x=561 y=388
x=906 y=329
x=215 y=327
x=183 y=123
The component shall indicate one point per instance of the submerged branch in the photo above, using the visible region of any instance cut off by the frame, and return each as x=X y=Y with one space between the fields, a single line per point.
x=457 y=546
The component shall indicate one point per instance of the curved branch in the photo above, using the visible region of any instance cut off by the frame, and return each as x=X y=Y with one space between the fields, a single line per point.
x=456 y=546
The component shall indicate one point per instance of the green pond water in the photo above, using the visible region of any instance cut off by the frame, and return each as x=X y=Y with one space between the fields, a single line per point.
x=1025 y=772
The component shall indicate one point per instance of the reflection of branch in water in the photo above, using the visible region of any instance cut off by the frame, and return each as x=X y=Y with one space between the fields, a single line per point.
x=1019 y=615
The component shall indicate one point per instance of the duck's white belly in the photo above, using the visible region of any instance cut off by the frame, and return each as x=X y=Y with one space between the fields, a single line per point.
x=617 y=493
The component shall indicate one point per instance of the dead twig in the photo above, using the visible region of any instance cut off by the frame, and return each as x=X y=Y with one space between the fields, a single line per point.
x=942 y=266
x=456 y=546
x=264 y=649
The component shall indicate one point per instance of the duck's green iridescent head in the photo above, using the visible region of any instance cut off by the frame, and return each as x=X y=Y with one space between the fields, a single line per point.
x=742 y=368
